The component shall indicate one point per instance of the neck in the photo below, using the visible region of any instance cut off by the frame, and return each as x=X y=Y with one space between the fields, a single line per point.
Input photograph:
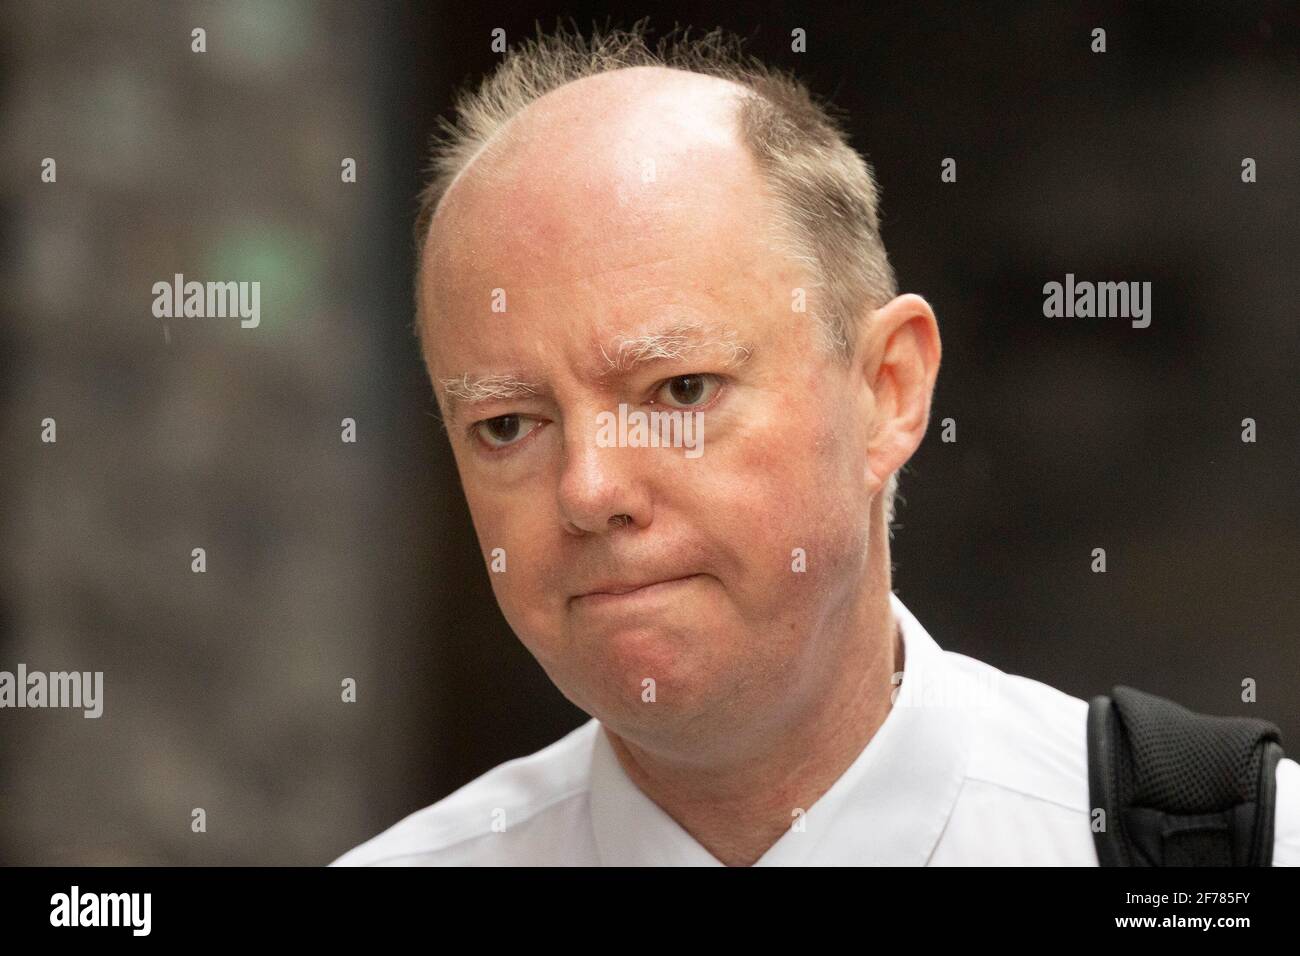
x=738 y=811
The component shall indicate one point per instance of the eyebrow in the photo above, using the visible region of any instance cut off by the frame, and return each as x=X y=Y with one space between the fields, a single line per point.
x=629 y=352
x=466 y=391
x=672 y=343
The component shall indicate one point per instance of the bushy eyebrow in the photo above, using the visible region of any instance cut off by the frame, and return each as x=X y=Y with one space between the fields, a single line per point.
x=630 y=352
x=672 y=343
x=463 y=391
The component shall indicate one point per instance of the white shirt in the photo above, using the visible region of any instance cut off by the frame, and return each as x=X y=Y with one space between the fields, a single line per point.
x=972 y=766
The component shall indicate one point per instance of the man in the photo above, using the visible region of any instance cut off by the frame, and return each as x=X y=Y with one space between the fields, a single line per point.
x=611 y=231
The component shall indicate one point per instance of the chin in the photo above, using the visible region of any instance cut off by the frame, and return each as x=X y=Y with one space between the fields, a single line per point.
x=617 y=664
x=637 y=651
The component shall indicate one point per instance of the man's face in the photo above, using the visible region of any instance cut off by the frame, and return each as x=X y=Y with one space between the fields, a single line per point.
x=591 y=252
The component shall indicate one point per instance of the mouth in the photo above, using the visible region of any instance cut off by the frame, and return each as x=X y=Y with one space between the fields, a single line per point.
x=624 y=592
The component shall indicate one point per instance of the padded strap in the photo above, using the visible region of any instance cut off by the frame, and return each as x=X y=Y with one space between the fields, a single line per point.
x=1180 y=788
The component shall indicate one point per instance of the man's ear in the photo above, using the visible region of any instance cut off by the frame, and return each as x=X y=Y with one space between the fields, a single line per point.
x=900 y=363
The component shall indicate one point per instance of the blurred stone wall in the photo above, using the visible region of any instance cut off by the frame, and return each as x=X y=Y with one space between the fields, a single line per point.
x=222 y=688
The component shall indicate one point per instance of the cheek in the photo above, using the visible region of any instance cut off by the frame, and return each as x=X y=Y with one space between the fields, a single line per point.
x=793 y=484
x=520 y=571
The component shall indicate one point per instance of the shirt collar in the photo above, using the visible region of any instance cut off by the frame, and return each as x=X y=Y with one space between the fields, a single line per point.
x=888 y=808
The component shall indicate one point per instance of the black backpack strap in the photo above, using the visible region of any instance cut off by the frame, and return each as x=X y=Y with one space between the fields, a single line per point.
x=1180 y=788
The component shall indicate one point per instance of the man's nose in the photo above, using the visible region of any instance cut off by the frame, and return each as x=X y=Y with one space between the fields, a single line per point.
x=602 y=488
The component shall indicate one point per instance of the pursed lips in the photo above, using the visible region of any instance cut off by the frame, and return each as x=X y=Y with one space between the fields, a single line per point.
x=613 y=590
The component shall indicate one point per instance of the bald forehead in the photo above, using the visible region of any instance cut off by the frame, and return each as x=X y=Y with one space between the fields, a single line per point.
x=593 y=146
x=621 y=218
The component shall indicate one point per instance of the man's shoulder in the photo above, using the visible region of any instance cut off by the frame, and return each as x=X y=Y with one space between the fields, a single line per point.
x=1024 y=792
x=1029 y=751
x=1026 y=737
x=494 y=818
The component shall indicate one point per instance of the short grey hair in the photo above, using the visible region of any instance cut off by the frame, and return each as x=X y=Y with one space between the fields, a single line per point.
x=826 y=193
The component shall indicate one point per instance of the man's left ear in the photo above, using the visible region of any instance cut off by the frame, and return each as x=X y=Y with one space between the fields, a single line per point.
x=901 y=363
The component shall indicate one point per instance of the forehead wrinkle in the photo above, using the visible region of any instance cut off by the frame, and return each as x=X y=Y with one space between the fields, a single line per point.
x=668 y=344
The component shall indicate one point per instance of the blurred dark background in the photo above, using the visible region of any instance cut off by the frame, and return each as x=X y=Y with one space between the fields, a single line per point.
x=329 y=560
